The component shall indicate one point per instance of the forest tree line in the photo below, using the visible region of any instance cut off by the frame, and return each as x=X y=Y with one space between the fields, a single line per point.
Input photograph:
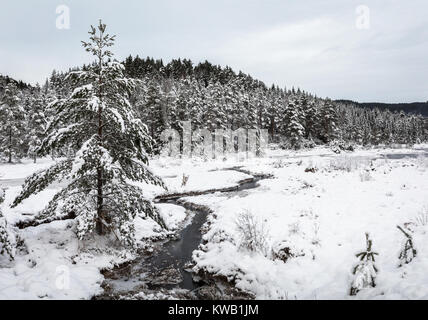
x=210 y=97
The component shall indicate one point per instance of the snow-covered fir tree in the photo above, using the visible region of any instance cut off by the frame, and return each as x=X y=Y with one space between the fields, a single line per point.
x=97 y=120
x=7 y=245
x=12 y=123
x=36 y=124
x=365 y=272
x=152 y=112
x=292 y=126
x=327 y=121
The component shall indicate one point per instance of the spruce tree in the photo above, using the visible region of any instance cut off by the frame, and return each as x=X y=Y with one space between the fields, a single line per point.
x=328 y=121
x=365 y=272
x=36 y=124
x=11 y=123
x=153 y=114
x=310 y=120
x=98 y=121
x=292 y=127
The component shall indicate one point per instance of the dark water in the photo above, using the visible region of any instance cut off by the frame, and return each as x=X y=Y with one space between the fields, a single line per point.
x=177 y=253
x=399 y=156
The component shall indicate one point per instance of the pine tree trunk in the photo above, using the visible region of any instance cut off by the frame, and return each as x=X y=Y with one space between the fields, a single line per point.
x=100 y=197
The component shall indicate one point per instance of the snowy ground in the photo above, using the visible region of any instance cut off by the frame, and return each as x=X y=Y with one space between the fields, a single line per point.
x=322 y=216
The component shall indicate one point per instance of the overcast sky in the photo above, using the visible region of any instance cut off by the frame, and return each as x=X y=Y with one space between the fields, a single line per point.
x=312 y=44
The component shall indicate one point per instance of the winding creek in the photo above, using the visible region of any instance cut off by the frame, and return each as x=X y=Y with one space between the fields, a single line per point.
x=166 y=269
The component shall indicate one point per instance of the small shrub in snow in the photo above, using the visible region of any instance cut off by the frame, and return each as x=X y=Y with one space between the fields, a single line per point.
x=339 y=145
x=285 y=250
x=365 y=272
x=316 y=241
x=422 y=218
x=408 y=252
x=311 y=168
x=219 y=236
x=184 y=180
x=335 y=148
x=252 y=233
x=7 y=246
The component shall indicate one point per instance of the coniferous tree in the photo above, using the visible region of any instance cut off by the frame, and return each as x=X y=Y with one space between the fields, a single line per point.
x=328 y=121
x=365 y=272
x=7 y=246
x=98 y=121
x=11 y=123
x=292 y=128
x=36 y=125
x=310 y=120
x=153 y=113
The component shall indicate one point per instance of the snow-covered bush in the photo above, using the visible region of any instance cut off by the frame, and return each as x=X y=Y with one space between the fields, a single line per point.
x=7 y=243
x=184 y=180
x=285 y=143
x=285 y=250
x=337 y=146
x=307 y=143
x=252 y=233
x=334 y=147
x=365 y=272
x=422 y=218
x=311 y=167
x=408 y=251
x=220 y=235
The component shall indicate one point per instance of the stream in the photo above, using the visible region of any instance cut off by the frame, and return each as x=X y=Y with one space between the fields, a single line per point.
x=167 y=269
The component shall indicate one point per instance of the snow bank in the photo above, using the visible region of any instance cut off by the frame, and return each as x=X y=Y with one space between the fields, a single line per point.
x=323 y=214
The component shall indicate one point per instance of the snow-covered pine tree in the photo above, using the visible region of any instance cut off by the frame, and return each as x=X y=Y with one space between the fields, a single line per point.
x=214 y=116
x=292 y=127
x=36 y=124
x=111 y=146
x=327 y=121
x=7 y=246
x=11 y=123
x=408 y=252
x=310 y=119
x=153 y=113
x=365 y=272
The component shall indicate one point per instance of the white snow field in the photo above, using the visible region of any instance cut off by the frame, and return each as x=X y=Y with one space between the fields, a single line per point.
x=318 y=204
